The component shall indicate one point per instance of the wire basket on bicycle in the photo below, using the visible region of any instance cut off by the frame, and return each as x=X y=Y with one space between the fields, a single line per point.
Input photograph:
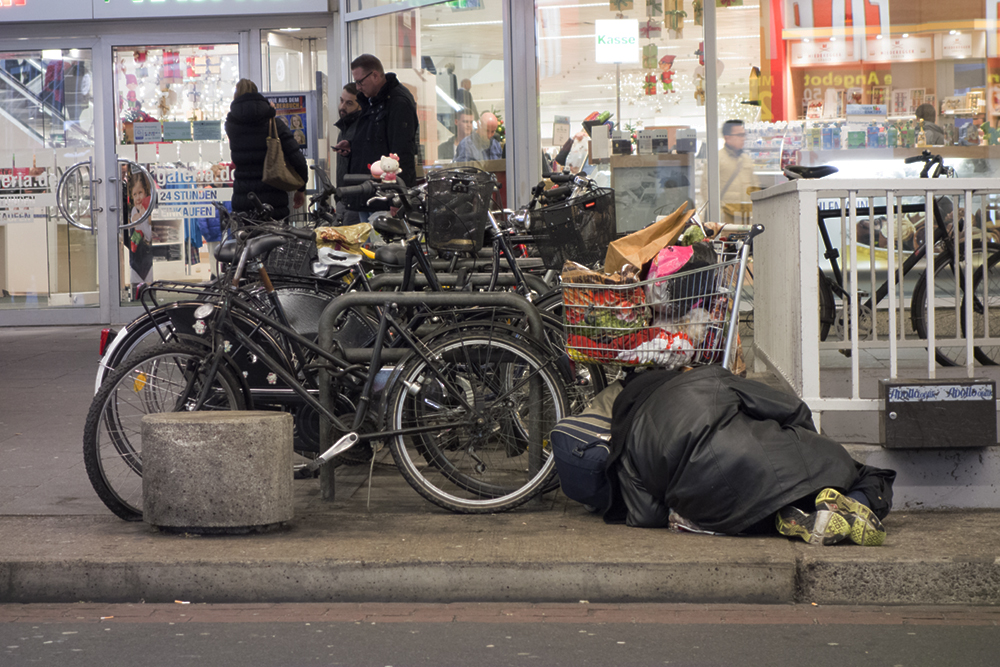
x=577 y=229
x=458 y=203
x=682 y=319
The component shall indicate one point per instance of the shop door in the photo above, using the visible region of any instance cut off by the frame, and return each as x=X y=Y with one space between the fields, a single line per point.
x=172 y=160
x=48 y=266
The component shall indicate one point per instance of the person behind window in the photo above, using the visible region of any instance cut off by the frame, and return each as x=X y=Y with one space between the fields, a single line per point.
x=933 y=133
x=736 y=174
x=464 y=96
x=481 y=144
x=388 y=123
x=464 y=124
x=349 y=110
x=248 y=125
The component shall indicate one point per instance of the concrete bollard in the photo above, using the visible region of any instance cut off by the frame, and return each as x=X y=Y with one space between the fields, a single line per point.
x=217 y=472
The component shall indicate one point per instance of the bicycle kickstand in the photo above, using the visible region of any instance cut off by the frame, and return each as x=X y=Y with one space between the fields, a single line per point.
x=342 y=445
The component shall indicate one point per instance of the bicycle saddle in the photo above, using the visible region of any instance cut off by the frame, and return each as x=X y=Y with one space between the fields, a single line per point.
x=794 y=172
x=389 y=227
x=226 y=251
x=392 y=254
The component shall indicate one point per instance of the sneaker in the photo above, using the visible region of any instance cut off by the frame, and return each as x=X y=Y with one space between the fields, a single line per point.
x=821 y=527
x=866 y=529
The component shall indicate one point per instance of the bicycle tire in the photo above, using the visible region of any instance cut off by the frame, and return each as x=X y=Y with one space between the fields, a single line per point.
x=112 y=438
x=475 y=463
x=987 y=355
x=948 y=311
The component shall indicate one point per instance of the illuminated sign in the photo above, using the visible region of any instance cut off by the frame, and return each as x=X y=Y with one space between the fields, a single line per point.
x=11 y=3
x=616 y=41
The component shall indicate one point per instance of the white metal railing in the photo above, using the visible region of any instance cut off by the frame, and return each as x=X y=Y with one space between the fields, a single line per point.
x=787 y=290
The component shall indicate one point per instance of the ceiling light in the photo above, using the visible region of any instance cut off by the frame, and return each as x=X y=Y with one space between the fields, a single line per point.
x=805 y=39
x=289 y=29
x=905 y=35
x=833 y=39
x=878 y=36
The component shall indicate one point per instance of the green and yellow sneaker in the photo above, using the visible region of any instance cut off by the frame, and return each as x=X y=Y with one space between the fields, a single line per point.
x=866 y=529
x=821 y=527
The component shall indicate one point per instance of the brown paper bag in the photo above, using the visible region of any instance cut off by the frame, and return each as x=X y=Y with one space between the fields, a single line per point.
x=639 y=247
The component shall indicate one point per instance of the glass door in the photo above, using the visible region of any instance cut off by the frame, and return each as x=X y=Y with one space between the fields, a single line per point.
x=171 y=103
x=47 y=124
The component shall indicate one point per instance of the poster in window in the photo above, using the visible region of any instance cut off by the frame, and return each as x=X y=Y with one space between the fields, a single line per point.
x=880 y=95
x=900 y=102
x=292 y=110
x=916 y=98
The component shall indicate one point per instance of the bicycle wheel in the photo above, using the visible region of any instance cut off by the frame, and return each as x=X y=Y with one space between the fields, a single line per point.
x=948 y=310
x=482 y=395
x=166 y=378
x=987 y=293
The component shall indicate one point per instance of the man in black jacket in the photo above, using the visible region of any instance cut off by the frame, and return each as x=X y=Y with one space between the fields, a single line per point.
x=350 y=110
x=388 y=122
x=248 y=126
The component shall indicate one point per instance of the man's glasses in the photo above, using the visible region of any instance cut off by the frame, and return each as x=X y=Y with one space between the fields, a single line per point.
x=358 y=82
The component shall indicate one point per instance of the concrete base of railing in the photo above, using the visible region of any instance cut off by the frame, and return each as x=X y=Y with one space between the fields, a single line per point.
x=217 y=472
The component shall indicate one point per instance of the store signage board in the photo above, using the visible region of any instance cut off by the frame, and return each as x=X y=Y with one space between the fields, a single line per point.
x=901 y=50
x=818 y=53
x=616 y=41
x=147 y=133
x=956 y=46
x=207 y=130
x=176 y=130
x=862 y=113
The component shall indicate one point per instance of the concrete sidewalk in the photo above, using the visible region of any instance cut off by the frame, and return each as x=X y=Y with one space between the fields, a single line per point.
x=58 y=543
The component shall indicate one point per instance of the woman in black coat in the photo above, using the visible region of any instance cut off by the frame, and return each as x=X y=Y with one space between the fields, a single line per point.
x=247 y=126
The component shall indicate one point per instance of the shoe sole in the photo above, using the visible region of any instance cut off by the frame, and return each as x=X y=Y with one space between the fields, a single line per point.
x=866 y=529
x=821 y=527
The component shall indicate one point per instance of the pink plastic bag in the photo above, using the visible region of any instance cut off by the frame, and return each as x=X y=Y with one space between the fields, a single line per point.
x=669 y=261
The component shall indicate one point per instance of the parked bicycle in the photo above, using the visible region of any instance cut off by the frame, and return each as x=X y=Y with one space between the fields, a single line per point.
x=949 y=268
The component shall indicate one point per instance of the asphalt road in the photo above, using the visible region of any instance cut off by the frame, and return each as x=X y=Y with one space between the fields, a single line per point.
x=488 y=635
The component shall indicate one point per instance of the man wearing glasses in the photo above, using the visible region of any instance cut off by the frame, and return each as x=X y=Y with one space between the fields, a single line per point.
x=388 y=123
x=735 y=174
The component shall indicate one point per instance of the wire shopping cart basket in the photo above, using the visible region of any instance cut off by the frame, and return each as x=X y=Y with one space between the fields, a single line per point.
x=684 y=319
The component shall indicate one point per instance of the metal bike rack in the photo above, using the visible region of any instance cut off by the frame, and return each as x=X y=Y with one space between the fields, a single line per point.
x=342 y=304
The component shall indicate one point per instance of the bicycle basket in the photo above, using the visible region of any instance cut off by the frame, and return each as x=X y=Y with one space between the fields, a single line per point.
x=458 y=202
x=294 y=258
x=578 y=229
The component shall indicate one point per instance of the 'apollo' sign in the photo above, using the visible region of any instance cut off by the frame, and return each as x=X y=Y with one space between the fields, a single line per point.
x=616 y=41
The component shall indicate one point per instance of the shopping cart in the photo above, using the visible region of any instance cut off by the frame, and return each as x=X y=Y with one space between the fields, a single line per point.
x=685 y=319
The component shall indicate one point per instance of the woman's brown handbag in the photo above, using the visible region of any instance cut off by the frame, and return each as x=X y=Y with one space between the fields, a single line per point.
x=276 y=171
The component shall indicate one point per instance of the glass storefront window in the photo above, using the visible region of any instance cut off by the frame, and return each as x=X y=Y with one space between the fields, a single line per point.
x=172 y=104
x=450 y=56
x=291 y=57
x=46 y=127
x=651 y=99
